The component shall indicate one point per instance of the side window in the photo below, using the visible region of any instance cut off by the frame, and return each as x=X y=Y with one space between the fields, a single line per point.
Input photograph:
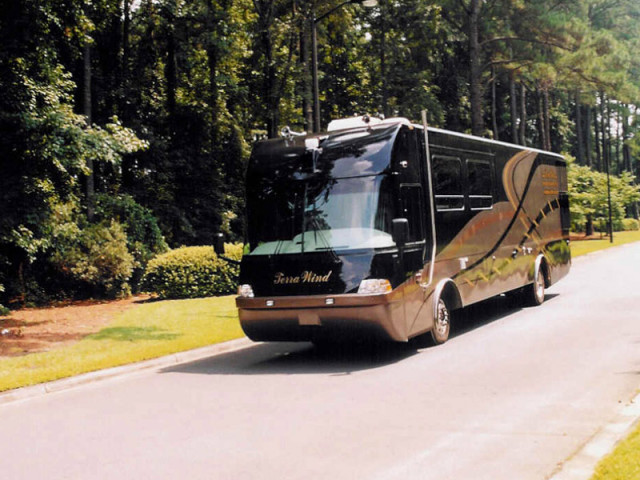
x=480 y=185
x=407 y=155
x=411 y=204
x=447 y=183
x=565 y=217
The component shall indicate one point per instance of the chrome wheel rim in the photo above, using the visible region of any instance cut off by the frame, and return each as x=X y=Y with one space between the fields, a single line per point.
x=539 y=286
x=442 y=319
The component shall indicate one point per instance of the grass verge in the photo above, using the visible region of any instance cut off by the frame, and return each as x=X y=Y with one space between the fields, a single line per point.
x=147 y=331
x=582 y=247
x=623 y=463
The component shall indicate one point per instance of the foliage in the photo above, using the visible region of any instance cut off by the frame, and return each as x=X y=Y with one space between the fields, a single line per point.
x=96 y=256
x=144 y=238
x=192 y=272
x=630 y=224
x=3 y=310
x=588 y=196
x=177 y=90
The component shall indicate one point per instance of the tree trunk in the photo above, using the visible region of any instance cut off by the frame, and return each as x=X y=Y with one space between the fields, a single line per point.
x=212 y=59
x=86 y=100
x=626 y=153
x=618 y=119
x=307 y=94
x=541 y=130
x=494 y=120
x=513 y=101
x=603 y=133
x=126 y=34
x=587 y=135
x=523 y=115
x=610 y=140
x=383 y=66
x=477 y=122
x=596 y=131
x=588 y=228
x=171 y=75
x=579 y=130
x=546 y=118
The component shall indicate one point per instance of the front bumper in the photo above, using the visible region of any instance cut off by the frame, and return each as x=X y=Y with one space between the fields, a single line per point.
x=307 y=317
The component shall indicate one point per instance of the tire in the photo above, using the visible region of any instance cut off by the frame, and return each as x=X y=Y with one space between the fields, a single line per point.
x=534 y=293
x=441 y=323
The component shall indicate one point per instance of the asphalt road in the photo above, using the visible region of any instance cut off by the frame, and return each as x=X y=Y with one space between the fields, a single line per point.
x=512 y=395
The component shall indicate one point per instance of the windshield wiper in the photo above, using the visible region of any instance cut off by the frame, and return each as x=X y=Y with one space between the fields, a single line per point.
x=317 y=232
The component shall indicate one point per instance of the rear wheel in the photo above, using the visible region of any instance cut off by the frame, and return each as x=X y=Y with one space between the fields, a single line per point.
x=441 y=323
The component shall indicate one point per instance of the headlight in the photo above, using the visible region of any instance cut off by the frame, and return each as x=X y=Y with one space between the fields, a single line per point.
x=374 y=285
x=245 y=291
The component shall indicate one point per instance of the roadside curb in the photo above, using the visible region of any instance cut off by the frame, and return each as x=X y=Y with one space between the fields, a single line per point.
x=41 y=389
x=581 y=465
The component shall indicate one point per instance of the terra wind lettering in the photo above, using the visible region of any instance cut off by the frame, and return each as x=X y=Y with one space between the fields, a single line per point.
x=305 y=277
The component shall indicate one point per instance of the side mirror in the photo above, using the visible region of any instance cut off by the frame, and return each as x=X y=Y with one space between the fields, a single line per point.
x=400 y=231
x=218 y=243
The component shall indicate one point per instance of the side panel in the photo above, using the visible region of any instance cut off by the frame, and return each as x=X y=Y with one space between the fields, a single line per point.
x=491 y=249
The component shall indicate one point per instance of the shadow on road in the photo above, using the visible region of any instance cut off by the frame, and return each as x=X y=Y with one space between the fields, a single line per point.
x=483 y=313
x=340 y=359
x=299 y=358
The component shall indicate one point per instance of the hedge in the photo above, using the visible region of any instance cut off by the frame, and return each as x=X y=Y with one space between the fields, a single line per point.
x=192 y=272
x=629 y=224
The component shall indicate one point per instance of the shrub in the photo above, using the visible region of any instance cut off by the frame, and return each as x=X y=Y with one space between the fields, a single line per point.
x=98 y=258
x=629 y=224
x=619 y=225
x=144 y=238
x=3 y=310
x=191 y=272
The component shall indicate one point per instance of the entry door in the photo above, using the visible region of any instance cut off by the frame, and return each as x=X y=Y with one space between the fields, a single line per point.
x=412 y=205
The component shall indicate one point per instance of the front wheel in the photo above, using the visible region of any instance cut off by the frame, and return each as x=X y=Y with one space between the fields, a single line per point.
x=535 y=291
x=442 y=323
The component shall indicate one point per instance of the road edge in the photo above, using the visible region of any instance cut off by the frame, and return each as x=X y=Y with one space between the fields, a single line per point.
x=581 y=465
x=42 y=389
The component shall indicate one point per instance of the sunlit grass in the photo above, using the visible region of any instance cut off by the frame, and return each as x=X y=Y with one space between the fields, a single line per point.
x=146 y=331
x=583 y=247
x=623 y=463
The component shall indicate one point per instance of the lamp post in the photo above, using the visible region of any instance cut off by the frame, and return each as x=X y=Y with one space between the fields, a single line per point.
x=314 y=52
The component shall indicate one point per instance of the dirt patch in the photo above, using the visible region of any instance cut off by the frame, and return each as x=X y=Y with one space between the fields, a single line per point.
x=40 y=329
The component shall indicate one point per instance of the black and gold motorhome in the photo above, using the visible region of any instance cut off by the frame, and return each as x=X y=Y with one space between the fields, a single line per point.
x=386 y=227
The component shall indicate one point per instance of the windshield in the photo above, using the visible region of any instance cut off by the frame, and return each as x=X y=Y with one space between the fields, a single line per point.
x=313 y=215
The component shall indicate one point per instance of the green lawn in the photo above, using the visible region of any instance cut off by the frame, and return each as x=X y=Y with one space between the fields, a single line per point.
x=146 y=331
x=587 y=246
x=623 y=463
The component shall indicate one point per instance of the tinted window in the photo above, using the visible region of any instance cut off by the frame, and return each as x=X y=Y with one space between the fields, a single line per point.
x=319 y=214
x=480 y=185
x=407 y=156
x=447 y=183
x=565 y=217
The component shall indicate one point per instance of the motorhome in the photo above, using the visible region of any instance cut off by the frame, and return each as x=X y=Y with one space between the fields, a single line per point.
x=386 y=227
